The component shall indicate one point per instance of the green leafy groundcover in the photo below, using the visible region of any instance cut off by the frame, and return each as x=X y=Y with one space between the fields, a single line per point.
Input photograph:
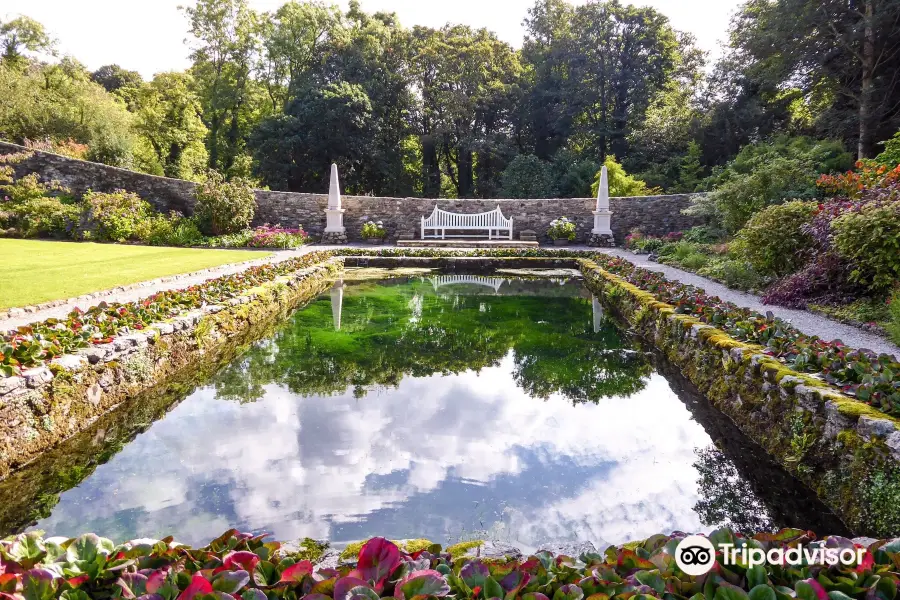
x=37 y=343
x=239 y=566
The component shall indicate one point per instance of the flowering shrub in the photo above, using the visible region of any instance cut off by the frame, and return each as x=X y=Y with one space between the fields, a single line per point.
x=37 y=343
x=639 y=243
x=673 y=236
x=268 y=236
x=823 y=280
x=68 y=147
x=562 y=229
x=242 y=566
x=44 y=217
x=373 y=230
x=29 y=187
x=224 y=206
x=112 y=217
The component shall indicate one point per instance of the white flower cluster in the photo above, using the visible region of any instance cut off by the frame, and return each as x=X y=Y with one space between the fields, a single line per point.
x=559 y=222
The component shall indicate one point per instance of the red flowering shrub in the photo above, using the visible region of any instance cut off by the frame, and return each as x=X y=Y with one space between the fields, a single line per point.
x=269 y=236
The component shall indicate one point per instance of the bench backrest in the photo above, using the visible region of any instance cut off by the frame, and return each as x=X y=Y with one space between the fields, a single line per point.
x=443 y=218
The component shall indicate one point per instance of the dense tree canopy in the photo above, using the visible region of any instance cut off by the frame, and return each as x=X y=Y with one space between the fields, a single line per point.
x=455 y=111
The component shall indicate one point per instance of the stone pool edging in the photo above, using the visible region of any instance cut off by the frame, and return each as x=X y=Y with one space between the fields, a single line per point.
x=48 y=404
x=845 y=450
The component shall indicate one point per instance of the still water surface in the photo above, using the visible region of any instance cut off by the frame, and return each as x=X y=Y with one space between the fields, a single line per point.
x=425 y=407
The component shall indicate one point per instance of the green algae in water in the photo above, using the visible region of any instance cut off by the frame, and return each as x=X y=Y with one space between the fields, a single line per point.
x=438 y=407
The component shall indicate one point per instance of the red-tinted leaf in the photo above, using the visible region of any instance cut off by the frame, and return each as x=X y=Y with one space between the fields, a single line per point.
x=422 y=583
x=77 y=581
x=474 y=573
x=343 y=586
x=377 y=559
x=155 y=580
x=243 y=560
x=297 y=572
x=198 y=586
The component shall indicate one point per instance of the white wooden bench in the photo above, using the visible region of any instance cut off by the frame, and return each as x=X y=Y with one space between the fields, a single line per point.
x=494 y=223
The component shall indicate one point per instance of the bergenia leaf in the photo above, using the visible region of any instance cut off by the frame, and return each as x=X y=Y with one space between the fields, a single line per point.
x=377 y=559
x=569 y=592
x=343 y=586
x=474 y=573
x=492 y=589
x=297 y=572
x=422 y=583
x=362 y=592
x=265 y=574
x=244 y=561
x=231 y=582
x=132 y=584
x=38 y=584
x=198 y=587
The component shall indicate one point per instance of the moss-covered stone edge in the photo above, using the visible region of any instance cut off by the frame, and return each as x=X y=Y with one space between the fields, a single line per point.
x=847 y=452
x=40 y=418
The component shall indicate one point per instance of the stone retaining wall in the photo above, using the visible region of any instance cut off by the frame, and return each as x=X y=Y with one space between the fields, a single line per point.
x=46 y=405
x=844 y=450
x=654 y=215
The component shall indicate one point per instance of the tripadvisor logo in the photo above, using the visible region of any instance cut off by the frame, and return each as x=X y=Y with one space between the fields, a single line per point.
x=696 y=555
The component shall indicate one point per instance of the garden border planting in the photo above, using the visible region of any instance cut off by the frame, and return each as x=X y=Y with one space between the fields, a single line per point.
x=248 y=567
x=845 y=450
x=47 y=404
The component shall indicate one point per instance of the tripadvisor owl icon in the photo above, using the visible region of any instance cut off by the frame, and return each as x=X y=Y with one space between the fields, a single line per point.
x=695 y=555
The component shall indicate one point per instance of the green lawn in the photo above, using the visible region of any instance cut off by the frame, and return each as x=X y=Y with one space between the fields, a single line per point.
x=34 y=271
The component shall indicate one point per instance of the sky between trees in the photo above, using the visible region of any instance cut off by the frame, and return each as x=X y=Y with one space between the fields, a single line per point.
x=148 y=35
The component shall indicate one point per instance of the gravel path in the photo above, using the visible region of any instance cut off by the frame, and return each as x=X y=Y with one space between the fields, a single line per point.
x=805 y=321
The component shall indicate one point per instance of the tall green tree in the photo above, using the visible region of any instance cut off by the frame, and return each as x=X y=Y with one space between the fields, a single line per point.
x=469 y=83
x=169 y=123
x=375 y=53
x=841 y=55
x=296 y=39
x=114 y=78
x=23 y=34
x=331 y=124
x=224 y=56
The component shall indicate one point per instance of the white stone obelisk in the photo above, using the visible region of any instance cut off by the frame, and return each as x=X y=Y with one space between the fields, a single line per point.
x=334 y=214
x=337 y=303
x=602 y=216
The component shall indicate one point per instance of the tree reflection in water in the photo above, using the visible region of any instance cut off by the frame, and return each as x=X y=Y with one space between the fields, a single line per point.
x=397 y=328
x=725 y=498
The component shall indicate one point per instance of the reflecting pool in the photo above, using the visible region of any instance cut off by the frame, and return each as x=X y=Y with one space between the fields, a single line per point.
x=441 y=406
